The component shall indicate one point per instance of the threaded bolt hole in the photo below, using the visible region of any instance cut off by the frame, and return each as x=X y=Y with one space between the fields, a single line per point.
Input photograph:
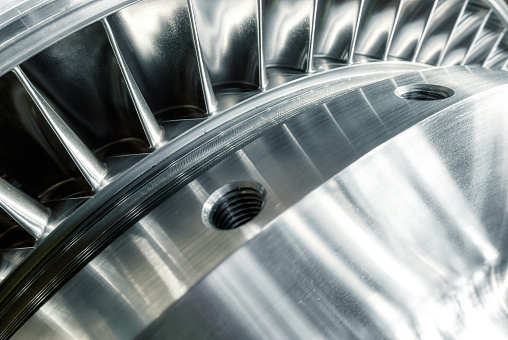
x=424 y=92
x=233 y=205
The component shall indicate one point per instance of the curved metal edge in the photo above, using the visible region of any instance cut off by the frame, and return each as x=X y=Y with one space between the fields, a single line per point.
x=103 y=218
x=93 y=225
x=53 y=27
x=500 y=7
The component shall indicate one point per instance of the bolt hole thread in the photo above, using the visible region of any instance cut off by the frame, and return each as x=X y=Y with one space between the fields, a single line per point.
x=424 y=92
x=234 y=205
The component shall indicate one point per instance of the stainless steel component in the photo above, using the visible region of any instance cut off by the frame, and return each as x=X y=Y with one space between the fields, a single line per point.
x=228 y=34
x=471 y=23
x=209 y=96
x=307 y=147
x=488 y=41
x=413 y=22
x=375 y=28
x=164 y=57
x=11 y=259
x=153 y=131
x=92 y=169
x=289 y=23
x=439 y=28
x=333 y=254
x=335 y=29
x=26 y=211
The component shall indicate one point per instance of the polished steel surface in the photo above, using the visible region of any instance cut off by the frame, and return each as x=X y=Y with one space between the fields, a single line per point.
x=406 y=243
x=88 y=93
x=471 y=24
x=486 y=41
x=444 y=18
x=112 y=103
x=153 y=131
x=410 y=28
x=90 y=166
x=335 y=29
x=498 y=55
x=156 y=40
x=375 y=28
x=26 y=211
x=286 y=27
x=12 y=258
x=376 y=246
x=228 y=33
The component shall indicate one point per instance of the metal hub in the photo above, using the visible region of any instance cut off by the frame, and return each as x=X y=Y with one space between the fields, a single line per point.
x=253 y=169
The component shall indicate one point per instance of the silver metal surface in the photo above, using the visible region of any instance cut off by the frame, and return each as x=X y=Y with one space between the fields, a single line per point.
x=152 y=106
x=163 y=57
x=288 y=22
x=153 y=131
x=92 y=169
x=26 y=211
x=228 y=33
x=443 y=20
x=393 y=239
x=375 y=28
x=335 y=29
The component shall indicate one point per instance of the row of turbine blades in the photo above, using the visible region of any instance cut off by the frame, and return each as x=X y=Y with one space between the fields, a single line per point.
x=139 y=77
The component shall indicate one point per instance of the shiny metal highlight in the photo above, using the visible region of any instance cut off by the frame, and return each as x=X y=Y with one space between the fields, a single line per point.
x=153 y=131
x=421 y=39
x=26 y=211
x=263 y=79
x=209 y=96
x=93 y=170
x=352 y=49
x=453 y=31
x=477 y=37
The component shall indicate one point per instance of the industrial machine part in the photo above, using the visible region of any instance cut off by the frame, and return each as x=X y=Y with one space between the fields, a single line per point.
x=274 y=169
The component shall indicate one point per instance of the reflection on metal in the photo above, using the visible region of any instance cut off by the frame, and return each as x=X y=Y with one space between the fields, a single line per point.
x=476 y=37
x=312 y=34
x=10 y=259
x=452 y=33
x=494 y=48
x=288 y=21
x=394 y=27
x=153 y=131
x=376 y=25
x=29 y=213
x=374 y=237
x=92 y=168
x=421 y=39
x=352 y=50
x=377 y=190
x=335 y=29
x=263 y=80
x=209 y=96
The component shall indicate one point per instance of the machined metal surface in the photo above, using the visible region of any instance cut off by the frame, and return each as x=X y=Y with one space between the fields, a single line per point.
x=252 y=169
x=362 y=231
